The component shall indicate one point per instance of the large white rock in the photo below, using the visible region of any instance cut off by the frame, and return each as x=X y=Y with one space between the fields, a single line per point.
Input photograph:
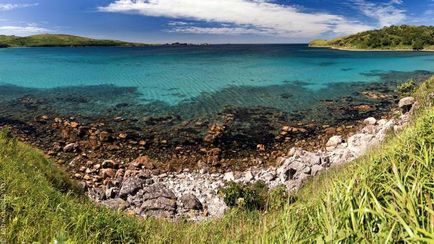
x=217 y=207
x=229 y=176
x=370 y=121
x=406 y=101
x=333 y=142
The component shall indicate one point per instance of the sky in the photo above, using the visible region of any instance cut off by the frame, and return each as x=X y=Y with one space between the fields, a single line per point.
x=209 y=21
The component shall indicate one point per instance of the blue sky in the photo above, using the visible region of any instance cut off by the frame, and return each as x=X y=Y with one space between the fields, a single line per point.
x=211 y=21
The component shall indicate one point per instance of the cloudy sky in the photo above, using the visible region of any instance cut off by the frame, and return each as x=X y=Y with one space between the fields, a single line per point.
x=212 y=21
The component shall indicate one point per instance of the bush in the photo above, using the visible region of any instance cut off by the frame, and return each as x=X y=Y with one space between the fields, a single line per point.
x=255 y=196
x=407 y=87
x=278 y=198
x=246 y=196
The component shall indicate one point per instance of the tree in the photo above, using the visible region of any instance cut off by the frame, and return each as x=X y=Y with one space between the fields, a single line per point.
x=418 y=45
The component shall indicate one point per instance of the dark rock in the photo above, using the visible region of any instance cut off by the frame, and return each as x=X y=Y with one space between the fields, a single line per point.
x=190 y=202
x=130 y=186
x=158 y=201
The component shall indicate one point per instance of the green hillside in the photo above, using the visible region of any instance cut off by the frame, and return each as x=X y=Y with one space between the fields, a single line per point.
x=57 y=40
x=384 y=197
x=404 y=37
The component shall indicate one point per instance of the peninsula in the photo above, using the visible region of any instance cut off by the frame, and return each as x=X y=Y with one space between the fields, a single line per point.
x=59 y=40
x=393 y=38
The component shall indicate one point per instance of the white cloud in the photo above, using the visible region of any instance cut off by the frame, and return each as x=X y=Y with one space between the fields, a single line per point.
x=22 y=30
x=243 y=16
x=386 y=14
x=11 y=6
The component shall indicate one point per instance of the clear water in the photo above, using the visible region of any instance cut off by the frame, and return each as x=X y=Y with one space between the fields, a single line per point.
x=176 y=74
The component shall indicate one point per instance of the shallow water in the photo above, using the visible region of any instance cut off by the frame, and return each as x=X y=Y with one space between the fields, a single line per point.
x=174 y=75
x=171 y=97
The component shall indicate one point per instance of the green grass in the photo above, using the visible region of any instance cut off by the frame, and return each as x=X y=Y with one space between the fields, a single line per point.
x=386 y=196
x=58 y=40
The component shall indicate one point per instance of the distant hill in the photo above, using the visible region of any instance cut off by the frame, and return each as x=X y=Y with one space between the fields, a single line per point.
x=58 y=40
x=404 y=37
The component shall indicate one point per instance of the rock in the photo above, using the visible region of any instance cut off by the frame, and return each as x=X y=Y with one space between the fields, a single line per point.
x=104 y=136
x=260 y=147
x=286 y=174
x=130 y=186
x=229 y=176
x=248 y=176
x=74 y=124
x=315 y=169
x=143 y=161
x=123 y=135
x=115 y=204
x=111 y=192
x=370 y=121
x=406 y=104
x=190 y=202
x=333 y=142
x=217 y=207
x=369 y=129
x=269 y=176
x=108 y=164
x=158 y=201
x=307 y=170
x=71 y=147
x=107 y=173
x=214 y=132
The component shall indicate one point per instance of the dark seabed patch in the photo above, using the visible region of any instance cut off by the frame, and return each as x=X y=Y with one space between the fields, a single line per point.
x=233 y=128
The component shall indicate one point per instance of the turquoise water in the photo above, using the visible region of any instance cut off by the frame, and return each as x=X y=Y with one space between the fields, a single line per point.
x=175 y=75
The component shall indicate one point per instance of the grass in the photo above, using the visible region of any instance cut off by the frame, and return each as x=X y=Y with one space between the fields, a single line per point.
x=386 y=196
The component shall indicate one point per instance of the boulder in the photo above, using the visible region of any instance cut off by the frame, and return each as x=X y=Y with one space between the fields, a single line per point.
x=130 y=186
x=248 y=176
x=315 y=169
x=217 y=207
x=158 y=201
x=190 y=202
x=406 y=104
x=229 y=176
x=115 y=204
x=333 y=142
x=370 y=121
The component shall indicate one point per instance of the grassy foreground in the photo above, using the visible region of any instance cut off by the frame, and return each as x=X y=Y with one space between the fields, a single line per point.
x=387 y=196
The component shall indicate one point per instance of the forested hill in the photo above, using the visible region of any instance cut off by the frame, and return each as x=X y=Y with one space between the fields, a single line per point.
x=404 y=37
x=58 y=40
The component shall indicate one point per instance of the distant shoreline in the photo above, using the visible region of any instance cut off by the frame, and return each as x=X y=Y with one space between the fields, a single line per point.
x=370 y=50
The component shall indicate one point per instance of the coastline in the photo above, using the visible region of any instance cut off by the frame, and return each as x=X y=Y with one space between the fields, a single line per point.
x=108 y=176
x=371 y=50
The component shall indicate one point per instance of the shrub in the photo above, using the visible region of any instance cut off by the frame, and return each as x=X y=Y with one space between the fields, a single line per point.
x=247 y=196
x=407 y=87
x=279 y=197
x=256 y=196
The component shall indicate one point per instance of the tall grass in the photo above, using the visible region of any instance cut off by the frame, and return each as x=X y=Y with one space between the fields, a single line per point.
x=386 y=196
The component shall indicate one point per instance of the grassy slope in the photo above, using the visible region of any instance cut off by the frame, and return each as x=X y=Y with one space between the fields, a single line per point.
x=49 y=40
x=388 y=38
x=387 y=195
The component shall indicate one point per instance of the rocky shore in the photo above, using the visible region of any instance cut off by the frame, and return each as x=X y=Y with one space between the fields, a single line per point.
x=194 y=194
x=173 y=162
